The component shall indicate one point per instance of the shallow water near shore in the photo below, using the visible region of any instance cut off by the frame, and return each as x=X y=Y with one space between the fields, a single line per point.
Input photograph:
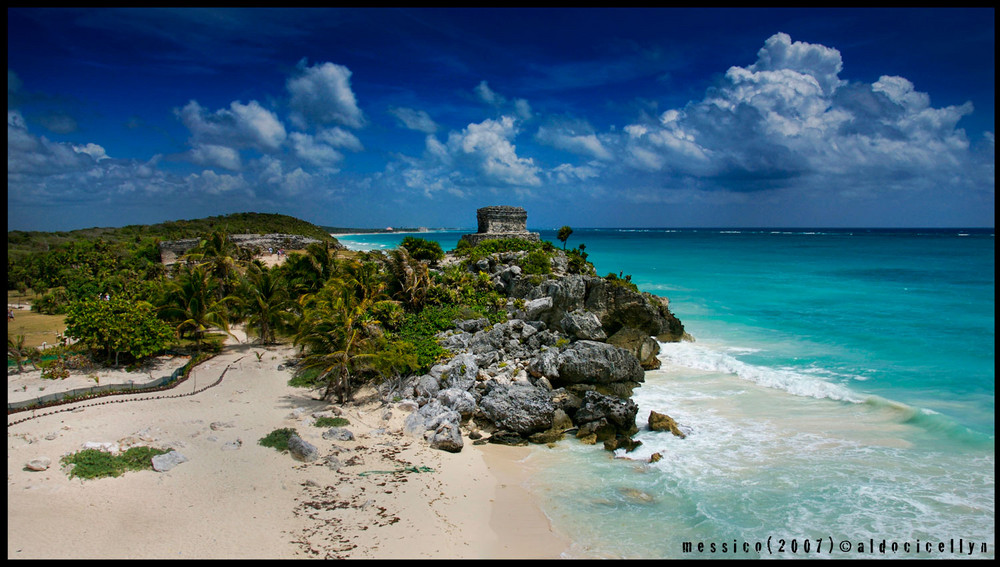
x=840 y=391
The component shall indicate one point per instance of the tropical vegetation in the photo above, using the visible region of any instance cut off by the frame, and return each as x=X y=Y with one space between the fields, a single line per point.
x=356 y=318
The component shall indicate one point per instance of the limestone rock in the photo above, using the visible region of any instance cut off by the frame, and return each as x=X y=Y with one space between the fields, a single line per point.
x=39 y=464
x=663 y=422
x=302 y=450
x=519 y=409
x=167 y=461
x=339 y=434
x=616 y=412
x=597 y=363
x=642 y=346
x=458 y=400
x=583 y=325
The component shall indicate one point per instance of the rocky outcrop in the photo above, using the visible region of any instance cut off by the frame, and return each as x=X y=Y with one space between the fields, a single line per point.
x=663 y=422
x=592 y=362
x=172 y=250
x=567 y=359
x=642 y=346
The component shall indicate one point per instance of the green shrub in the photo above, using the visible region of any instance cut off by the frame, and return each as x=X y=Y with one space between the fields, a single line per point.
x=278 y=439
x=421 y=249
x=331 y=422
x=536 y=262
x=92 y=463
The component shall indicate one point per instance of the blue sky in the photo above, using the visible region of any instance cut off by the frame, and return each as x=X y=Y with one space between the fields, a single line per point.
x=584 y=117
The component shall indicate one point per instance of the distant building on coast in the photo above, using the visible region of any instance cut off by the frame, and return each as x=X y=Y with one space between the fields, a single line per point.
x=501 y=222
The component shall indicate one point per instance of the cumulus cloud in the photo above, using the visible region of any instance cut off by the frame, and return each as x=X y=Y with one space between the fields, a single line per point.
x=486 y=146
x=790 y=116
x=417 y=120
x=239 y=126
x=480 y=156
x=216 y=156
x=322 y=95
x=312 y=151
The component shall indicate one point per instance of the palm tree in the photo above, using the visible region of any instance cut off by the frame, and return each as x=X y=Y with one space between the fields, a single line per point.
x=265 y=302
x=411 y=279
x=20 y=353
x=217 y=254
x=308 y=272
x=334 y=333
x=190 y=301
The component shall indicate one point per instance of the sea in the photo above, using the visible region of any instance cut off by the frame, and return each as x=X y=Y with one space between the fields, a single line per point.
x=838 y=398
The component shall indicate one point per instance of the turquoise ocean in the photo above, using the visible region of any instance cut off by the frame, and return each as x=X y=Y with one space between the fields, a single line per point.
x=838 y=398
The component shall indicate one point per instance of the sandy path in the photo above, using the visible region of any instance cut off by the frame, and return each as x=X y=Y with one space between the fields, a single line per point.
x=253 y=502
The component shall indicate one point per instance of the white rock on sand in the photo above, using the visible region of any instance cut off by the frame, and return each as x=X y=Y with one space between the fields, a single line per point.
x=255 y=502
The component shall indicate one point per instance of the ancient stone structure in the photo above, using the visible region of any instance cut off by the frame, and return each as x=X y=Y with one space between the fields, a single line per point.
x=500 y=222
x=172 y=250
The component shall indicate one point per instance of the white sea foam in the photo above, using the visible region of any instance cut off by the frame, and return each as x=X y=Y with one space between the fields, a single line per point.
x=700 y=357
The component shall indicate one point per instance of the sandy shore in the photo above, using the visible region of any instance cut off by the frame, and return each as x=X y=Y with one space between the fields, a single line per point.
x=236 y=499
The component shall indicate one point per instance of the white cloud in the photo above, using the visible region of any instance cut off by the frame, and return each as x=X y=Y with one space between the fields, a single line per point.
x=567 y=139
x=519 y=107
x=790 y=116
x=317 y=153
x=211 y=183
x=486 y=146
x=340 y=138
x=239 y=126
x=417 y=120
x=216 y=156
x=93 y=150
x=322 y=95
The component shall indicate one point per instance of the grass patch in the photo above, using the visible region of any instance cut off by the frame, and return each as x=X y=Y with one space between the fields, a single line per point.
x=278 y=439
x=331 y=422
x=37 y=328
x=91 y=463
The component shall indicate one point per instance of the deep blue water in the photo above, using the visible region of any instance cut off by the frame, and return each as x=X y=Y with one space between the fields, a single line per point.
x=840 y=388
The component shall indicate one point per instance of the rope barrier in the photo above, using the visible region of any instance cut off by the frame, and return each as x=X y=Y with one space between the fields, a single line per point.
x=405 y=469
x=178 y=383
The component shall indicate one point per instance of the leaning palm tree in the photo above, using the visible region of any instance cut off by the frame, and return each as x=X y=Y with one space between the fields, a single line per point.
x=308 y=272
x=411 y=279
x=20 y=353
x=334 y=333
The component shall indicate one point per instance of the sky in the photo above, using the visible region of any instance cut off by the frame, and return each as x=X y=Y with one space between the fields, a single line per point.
x=597 y=117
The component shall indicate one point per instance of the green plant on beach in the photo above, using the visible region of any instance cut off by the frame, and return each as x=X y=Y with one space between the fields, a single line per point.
x=331 y=422
x=278 y=439
x=92 y=463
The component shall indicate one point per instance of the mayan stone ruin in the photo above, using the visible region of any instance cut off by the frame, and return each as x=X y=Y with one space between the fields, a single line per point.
x=500 y=222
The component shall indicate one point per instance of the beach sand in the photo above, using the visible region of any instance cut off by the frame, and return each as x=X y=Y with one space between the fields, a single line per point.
x=236 y=499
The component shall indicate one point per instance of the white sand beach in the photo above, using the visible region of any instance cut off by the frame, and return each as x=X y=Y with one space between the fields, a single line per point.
x=236 y=499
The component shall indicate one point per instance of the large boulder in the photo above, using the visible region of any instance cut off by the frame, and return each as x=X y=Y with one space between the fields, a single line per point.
x=642 y=346
x=521 y=409
x=615 y=412
x=592 y=362
x=619 y=306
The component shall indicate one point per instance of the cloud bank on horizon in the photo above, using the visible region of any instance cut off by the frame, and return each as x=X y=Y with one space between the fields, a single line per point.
x=785 y=138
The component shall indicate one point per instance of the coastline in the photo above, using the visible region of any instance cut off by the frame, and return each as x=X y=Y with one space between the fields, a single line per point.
x=254 y=502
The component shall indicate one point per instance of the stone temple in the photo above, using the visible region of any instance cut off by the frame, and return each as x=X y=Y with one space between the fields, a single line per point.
x=500 y=222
